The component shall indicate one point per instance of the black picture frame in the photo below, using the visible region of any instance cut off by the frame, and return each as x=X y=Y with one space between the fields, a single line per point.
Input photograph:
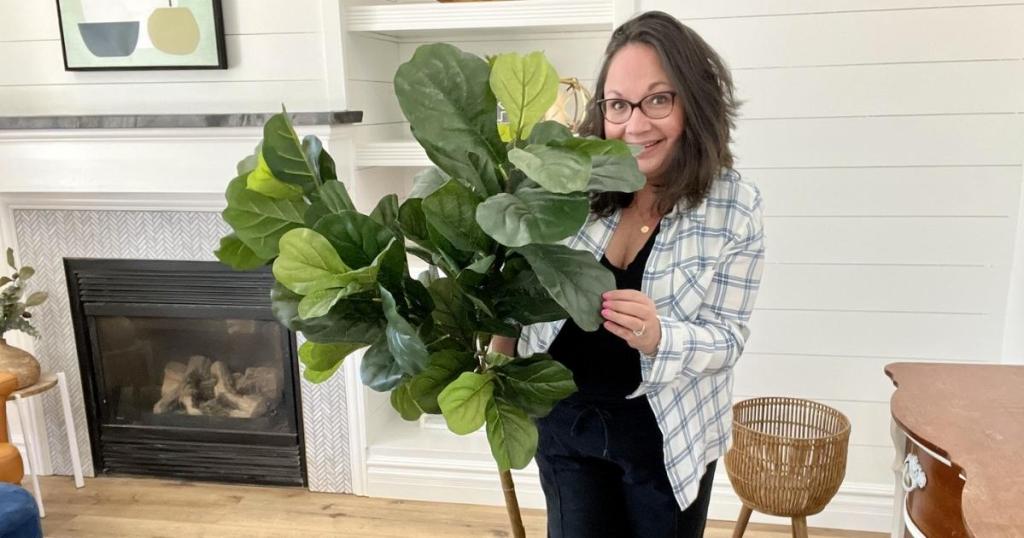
x=220 y=62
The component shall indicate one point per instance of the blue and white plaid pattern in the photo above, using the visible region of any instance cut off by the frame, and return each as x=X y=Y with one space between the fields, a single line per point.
x=703 y=274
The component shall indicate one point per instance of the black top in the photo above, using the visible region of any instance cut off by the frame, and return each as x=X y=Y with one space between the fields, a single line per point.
x=603 y=365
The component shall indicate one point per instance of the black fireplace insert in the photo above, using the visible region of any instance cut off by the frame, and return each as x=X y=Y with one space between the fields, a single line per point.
x=185 y=371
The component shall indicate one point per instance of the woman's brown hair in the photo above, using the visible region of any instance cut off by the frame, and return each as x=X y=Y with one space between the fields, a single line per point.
x=705 y=90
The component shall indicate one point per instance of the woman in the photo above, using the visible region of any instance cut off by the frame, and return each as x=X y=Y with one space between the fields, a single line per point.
x=687 y=253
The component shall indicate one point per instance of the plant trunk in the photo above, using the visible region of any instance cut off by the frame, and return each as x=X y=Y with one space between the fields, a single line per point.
x=515 y=517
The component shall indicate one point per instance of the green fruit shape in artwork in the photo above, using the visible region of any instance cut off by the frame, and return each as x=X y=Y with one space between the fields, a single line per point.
x=174 y=30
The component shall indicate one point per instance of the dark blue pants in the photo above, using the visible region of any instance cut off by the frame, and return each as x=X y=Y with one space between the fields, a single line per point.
x=603 y=474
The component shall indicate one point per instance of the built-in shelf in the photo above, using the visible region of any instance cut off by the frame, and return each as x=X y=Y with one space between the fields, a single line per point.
x=169 y=121
x=435 y=18
x=396 y=153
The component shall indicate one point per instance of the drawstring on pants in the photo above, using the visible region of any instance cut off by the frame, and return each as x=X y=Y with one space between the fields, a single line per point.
x=603 y=415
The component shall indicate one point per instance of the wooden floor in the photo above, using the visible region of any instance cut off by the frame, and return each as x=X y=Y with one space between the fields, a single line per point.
x=149 y=508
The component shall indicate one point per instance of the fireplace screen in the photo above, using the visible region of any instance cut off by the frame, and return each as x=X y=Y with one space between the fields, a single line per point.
x=186 y=372
x=194 y=373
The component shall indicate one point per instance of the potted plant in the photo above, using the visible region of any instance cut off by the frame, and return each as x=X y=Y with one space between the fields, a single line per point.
x=490 y=217
x=14 y=315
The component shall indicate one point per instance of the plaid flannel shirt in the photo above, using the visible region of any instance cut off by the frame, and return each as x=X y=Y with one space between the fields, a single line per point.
x=703 y=275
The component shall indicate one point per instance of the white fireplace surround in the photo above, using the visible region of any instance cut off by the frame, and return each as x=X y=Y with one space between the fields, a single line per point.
x=136 y=193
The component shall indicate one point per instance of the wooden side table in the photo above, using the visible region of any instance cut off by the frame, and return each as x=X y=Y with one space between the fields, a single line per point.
x=958 y=430
x=47 y=381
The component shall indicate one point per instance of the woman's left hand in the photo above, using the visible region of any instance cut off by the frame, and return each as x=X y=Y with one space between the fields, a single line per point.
x=629 y=312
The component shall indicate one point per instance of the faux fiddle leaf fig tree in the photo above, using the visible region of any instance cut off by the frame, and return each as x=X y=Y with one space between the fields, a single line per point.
x=490 y=217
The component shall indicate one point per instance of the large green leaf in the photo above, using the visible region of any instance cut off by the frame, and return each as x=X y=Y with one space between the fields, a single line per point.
x=445 y=366
x=532 y=216
x=309 y=263
x=451 y=210
x=322 y=360
x=388 y=268
x=451 y=308
x=594 y=146
x=476 y=272
x=573 y=278
x=285 y=155
x=512 y=435
x=418 y=302
x=557 y=169
x=353 y=319
x=526 y=86
x=331 y=197
x=536 y=384
x=314 y=151
x=521 y=297
x=528 y=306
x=445 y=95
x=358 y=239
x=386 y=212
x=262 y=180
x=405 y=344
x=613 y=167
x=260 y=221
x=403 y=402
x=427 y=181
x=414 y=223
x=464 y=401
x=549 y=131
x=320 y=302
x=379 y=370
x=392 y=273
x=236 y=254
x=615 y=173
x=328 y=172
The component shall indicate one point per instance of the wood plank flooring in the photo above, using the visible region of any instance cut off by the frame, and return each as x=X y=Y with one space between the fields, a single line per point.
x=115 y=507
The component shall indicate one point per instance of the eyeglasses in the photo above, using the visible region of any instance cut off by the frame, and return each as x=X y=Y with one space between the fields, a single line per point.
x=655 y=106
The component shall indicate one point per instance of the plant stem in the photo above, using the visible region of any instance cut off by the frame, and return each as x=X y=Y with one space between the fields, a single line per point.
x=515 y=517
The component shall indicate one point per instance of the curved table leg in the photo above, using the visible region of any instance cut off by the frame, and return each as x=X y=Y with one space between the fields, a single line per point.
x=899 y=442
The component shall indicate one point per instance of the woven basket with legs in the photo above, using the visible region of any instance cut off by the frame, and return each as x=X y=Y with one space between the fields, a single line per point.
x=788 y=458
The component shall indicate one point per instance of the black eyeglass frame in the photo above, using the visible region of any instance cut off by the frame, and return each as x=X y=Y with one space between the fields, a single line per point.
x=639 y=104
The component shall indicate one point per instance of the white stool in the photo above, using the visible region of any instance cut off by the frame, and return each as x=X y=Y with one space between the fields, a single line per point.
x=28 y=431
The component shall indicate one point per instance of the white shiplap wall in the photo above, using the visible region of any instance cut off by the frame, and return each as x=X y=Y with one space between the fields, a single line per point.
x=275 y=55
x=888 y=140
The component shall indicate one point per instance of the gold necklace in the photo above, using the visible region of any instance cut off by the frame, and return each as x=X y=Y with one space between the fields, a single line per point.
x=644 y=228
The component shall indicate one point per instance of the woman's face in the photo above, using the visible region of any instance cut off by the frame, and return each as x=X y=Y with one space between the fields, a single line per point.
x=635 y=72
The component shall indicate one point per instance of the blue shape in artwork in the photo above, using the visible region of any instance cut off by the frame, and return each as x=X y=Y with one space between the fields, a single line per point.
x=110 y=39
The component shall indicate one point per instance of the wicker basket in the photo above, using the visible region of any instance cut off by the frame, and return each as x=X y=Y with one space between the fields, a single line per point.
x=788 y=457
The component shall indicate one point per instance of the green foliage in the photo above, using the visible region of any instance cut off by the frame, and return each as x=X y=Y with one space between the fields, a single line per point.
x=526 y=86
x=489 y=217
x=14 y=314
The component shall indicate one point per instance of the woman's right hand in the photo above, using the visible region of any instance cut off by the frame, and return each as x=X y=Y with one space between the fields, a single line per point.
x=504 y=345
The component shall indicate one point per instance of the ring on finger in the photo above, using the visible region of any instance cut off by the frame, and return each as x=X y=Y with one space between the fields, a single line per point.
x=643 y=329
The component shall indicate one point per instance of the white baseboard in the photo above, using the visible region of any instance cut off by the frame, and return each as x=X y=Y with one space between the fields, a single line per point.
x=471 y=478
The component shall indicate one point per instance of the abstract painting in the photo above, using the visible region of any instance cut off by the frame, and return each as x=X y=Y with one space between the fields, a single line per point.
x=141 y=34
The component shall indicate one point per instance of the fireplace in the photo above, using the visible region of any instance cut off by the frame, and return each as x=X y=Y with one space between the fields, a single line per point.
x=185 y=371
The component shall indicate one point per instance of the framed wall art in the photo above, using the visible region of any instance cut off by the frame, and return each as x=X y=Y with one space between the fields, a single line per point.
x=141 y=34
